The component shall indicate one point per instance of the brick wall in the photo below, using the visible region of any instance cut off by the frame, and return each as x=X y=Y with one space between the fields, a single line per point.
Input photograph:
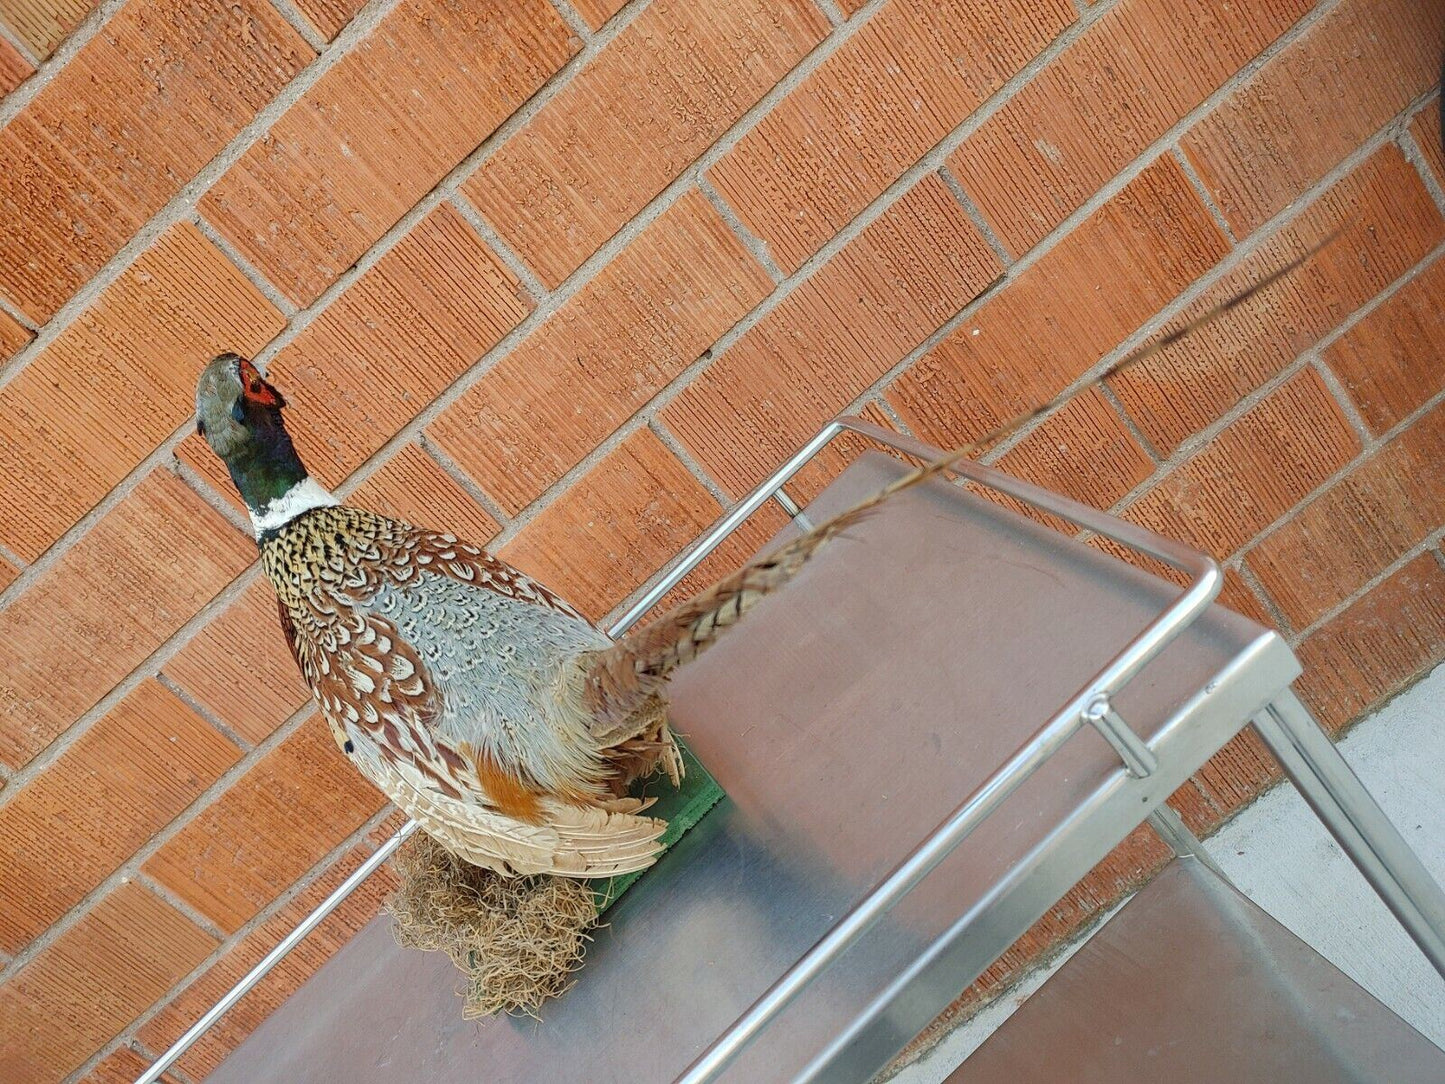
x=572 y=275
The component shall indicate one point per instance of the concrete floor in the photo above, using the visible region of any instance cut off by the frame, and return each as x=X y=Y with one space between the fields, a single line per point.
x=1279 y=855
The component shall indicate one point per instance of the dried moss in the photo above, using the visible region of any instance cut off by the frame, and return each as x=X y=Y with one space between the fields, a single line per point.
x=517 y=940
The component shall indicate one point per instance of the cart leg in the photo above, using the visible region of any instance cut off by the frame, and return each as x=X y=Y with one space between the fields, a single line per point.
x=1341 y=801
x=1168 y=826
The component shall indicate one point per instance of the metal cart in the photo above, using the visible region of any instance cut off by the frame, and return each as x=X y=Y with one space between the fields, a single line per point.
x=950 y=717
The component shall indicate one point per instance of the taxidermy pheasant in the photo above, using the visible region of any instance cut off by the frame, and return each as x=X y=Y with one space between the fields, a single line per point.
x=498 y=717
x=492 y=712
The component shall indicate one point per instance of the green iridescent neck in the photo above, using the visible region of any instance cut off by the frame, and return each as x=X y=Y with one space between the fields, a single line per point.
x=266 y=469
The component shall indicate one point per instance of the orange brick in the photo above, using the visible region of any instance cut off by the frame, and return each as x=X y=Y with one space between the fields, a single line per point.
x=837 y=333
x=1238 y=773
x=12 y=337
x=874 y=108
x=1425 y=129
x=126 y=777
x=272 y=825
x=195 y=453
x=240 y=668
x=597 y=12
x=1255 y=470
x=93 y=980
x=1139 y=560
x=1238 y=596
x=1376 y=647
x=83 y=168
x=387 y=827
x=14 y=68
x=118 y=381
x=110 y=600
x=1313 y=104
x=1388 y=222
x=1198 y=812
x=616 y=343
x=1125 y=82
x=409 y=486
x=1389 y=362
x=202 y=69
x=329 y=16
x=1357 y=527
x=8 y=572
x=44 y=259
x=1065 y=312
x=44 y=24
x=401 y=334
x=617 y=525
x=379 y=130
x=281 y=982
x=643 y=109
x=1083 y=451
x=412 y=487
x=121 y=1066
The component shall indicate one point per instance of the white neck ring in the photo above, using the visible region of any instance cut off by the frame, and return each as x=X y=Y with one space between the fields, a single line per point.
x=302 y=497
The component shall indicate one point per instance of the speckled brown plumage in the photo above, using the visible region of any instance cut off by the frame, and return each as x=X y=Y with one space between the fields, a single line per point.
x=390 y=625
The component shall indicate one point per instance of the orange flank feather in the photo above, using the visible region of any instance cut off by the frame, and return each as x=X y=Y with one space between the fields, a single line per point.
x=508 y=793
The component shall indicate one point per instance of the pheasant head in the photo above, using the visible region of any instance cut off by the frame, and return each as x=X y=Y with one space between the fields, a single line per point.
x=239 y=415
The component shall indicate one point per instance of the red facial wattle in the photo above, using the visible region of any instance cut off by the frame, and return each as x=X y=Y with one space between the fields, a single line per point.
x=255 y=389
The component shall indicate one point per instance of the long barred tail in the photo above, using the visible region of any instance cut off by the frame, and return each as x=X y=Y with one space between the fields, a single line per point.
x=621 y=678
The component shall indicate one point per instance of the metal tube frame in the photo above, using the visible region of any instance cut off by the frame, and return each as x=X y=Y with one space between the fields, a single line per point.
x=1091 y=705
x=1372 y=842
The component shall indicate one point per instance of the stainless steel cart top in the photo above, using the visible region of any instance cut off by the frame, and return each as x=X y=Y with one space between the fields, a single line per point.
x=904 y=737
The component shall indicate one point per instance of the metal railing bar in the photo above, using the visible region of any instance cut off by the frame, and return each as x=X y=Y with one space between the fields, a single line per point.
x=272 y=958
x=1207 y=580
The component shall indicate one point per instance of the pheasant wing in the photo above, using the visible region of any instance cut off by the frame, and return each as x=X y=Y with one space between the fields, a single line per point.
x=388 y=714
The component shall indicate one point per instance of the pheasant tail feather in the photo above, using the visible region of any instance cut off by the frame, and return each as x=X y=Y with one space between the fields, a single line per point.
x=623 y=677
